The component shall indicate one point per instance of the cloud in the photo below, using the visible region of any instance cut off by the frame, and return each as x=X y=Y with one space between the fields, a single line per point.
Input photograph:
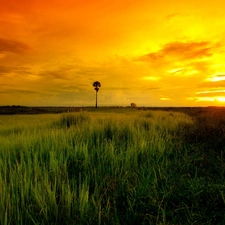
x=152 y=88
x=212 y=93
x=217 y=77
x=187 y=50
x=165 y=99
x=130 y=88
x=13 y=46
x=171 y=16
x=220 y=75
x=60 y=73
x=213 y=82
x=183 y=60
x=208 y=84
x=76 y=69
x=180 y=51
x=18 y=91
x=200 y=65
x=4 y=70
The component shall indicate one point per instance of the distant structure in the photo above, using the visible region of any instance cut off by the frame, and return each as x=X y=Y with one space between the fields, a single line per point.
x=133 y=105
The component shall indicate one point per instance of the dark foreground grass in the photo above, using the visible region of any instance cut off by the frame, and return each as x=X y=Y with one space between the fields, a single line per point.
x=141 y=168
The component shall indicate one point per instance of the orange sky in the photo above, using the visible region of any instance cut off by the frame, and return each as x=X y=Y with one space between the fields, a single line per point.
x=151 y=52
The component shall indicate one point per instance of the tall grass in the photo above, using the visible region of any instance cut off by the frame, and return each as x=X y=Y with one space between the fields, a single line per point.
x=103 y=168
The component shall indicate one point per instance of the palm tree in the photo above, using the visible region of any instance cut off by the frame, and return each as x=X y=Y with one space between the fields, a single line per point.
x=97 y=85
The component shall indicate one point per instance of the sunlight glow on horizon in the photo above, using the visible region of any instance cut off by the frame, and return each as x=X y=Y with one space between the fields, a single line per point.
x=221 y=99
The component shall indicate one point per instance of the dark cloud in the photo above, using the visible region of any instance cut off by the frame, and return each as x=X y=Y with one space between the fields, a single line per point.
x=13 y=46
x=171 y=16
x=72 y=88
x=69 y=72
x=91 y=72
x=190 y=50
x=118 y=88
x=4 y=70
x=18 y=91
x=153 y=88
x=59 y=73
x=180 y=51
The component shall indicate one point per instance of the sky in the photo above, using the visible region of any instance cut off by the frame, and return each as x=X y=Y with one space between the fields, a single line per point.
x=150 y=52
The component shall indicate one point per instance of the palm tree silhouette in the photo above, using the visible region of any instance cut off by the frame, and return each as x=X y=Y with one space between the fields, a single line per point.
x=97 y=85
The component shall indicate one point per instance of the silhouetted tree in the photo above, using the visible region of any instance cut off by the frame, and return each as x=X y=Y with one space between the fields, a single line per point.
x=97 y=85
x=133 y=105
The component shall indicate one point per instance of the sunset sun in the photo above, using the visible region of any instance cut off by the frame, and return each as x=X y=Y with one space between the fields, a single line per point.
x=221 y=99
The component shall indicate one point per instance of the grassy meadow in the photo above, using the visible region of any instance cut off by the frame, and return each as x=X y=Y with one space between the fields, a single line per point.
x=112 y=167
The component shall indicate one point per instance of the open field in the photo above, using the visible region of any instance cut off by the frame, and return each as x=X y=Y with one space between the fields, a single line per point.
x=113 y=166
x=28 y=110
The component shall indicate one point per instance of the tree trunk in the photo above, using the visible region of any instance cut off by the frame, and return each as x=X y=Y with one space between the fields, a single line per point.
x=96 y=105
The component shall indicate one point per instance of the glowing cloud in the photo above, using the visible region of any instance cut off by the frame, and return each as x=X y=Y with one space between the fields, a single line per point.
x=151 y=78
x=205 y=99
x=216 y=78
x=165 y=99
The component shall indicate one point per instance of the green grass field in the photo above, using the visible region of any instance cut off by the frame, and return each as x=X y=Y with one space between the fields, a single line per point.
x=114 y=167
